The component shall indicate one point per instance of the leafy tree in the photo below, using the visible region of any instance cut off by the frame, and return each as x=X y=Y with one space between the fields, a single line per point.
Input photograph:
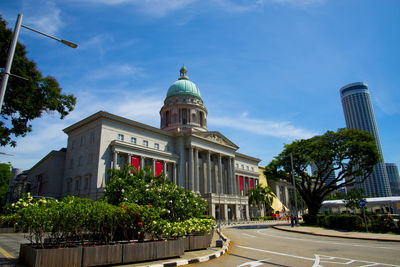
x=143 y=188
x=5 y=176
x=26 y=100
x=261 y=195
x=351 y=154
x=352 y=198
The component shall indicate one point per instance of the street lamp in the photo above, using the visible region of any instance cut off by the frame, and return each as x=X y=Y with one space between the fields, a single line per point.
x=295 y=193
x=11 y=52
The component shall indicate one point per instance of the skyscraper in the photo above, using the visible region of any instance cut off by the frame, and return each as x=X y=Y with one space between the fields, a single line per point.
x=394 y=178
x=359 y=114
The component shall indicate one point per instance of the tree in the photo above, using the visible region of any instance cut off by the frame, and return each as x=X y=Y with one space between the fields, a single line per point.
x=353 y=197
x=26 y=100
x=5 y=176
x=349 y=153
x=260 y=195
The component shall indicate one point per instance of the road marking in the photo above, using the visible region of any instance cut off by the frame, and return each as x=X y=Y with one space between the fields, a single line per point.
x=322 y=258
x=316 y=262
x=253 y=263
x=326 y=242
x=6 y=254
x=248 y=235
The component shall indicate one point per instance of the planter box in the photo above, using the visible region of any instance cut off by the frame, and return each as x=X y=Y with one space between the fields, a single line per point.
x=195 y=242
x=35 y=257
x=100 y=255
x=153 y=250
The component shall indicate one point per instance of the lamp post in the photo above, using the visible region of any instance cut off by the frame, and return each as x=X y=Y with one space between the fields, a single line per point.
x=11 y=52
x=294 y=187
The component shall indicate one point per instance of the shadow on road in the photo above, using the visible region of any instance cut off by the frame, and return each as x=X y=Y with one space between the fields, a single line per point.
x=255 y=260
x=241 y=227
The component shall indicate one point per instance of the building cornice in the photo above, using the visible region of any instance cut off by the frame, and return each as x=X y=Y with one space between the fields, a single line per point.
x=247 y=157
x=105 y=115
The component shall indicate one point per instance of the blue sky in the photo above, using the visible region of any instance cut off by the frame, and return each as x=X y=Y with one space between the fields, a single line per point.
x=269 y=71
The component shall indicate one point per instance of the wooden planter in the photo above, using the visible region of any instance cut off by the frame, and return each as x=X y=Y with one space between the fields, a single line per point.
x=153 y=250
x=100 y=255
x=195 y=242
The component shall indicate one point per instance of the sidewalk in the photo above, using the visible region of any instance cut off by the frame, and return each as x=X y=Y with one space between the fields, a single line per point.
x=338 y=233
x=190 y=256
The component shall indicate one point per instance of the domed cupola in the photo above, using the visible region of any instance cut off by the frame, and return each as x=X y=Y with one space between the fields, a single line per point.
x=183 y=109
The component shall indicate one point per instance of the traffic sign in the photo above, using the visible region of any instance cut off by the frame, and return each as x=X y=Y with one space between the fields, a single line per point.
x=363 y=202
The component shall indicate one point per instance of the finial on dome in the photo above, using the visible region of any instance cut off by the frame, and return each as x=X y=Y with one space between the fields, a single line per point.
x=183 y=73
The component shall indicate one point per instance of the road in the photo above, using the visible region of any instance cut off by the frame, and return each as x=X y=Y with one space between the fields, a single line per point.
x=261 y=245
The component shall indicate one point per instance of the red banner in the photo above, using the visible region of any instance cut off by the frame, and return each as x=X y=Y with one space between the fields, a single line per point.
x=241 y=183
x=135 y=162
x=159 y=167
x=251 y=183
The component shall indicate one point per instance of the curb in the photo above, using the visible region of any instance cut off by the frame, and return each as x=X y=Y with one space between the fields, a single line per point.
x=212 y=256
x=333 y=235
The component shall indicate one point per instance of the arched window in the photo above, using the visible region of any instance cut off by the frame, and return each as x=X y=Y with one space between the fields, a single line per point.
x=184 y=115
x=193 y=118
x=201 y=119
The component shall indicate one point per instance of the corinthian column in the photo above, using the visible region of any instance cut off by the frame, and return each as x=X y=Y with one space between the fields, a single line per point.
x=191 y=179
x=209 y=187
x=196 y=171
x=221 y=187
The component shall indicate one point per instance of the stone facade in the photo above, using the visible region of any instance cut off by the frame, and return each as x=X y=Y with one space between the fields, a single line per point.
x=205 y=162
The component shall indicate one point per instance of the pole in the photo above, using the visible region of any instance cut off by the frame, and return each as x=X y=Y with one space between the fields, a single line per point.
x=10 y=57
x=294 y=186
x=365 y=219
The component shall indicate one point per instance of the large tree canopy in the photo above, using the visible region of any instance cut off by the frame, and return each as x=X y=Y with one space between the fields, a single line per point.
x=348 y=153
x=26 y=100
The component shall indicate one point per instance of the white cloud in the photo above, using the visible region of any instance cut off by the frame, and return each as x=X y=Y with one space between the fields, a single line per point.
x=278 y=129
x=158 y=8
x=114 y=71
x=46 y=19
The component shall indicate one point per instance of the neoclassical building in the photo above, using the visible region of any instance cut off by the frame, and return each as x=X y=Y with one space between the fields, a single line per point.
x=205 y=162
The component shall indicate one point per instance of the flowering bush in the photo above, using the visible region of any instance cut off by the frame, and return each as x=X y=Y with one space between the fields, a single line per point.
x=62 y=223
x=142 y=187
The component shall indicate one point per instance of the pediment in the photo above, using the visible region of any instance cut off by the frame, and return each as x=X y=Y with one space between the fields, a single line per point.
x=217 y=137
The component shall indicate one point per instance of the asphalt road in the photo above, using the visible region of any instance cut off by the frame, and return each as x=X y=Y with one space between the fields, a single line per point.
x=261 y=245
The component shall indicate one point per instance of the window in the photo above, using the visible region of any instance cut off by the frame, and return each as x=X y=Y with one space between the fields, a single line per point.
x=247 y=167
x=71 y=163
x=252 y=169
x=242 y=166
x=87 y=181
x=133 y=140
x=73 y=144
x=77 y=183
x=80 y=162
x=145 y=143
x=120 y=137
x=90 y=158
x=156 y=146
x=83 y=140
x=237 y=165
x=92 y=138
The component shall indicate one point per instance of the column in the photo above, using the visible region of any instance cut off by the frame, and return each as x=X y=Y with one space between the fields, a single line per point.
x=130 y=159
x=191 y=178
x=182 y=163
x=278 y=193
x=234 y=184
x=237 y=212
x=220 y=186
x=141 y=162
x=174 y=174
x=209 y=186
x=226 y=218
x=115 y=159
x=154 y=166
x=247 y=212
x=212 y=210
x=230 y=177
x=165 y=169
x=196 y=171
x=287 y=196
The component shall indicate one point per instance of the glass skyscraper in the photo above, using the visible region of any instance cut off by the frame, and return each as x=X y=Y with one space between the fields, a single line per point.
x=394 y=178
x=359 y=114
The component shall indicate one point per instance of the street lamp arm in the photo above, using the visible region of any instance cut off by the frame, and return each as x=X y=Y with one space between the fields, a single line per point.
x=68 y=43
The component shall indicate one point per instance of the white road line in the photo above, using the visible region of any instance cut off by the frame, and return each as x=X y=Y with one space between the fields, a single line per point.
x=253 y=263
x=325 y=258
x=327 y=242
x=248 y=235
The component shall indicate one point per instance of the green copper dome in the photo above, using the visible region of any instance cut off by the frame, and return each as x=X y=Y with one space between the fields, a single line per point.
x=183 y=86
